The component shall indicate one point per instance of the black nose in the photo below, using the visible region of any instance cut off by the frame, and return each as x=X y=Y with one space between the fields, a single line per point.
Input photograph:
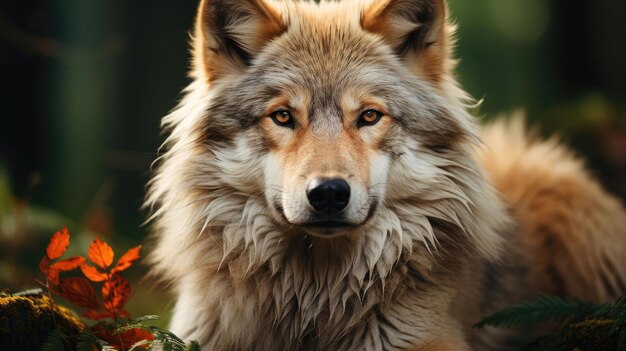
x=328 y=195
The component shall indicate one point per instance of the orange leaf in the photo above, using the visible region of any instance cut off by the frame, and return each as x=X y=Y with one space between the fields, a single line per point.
x=116 y=293
x=58 y=244
x=100 y=253
x=127 y=259
x=92 y=273
x=68 y=264
x=60 y=266
x=79 y=291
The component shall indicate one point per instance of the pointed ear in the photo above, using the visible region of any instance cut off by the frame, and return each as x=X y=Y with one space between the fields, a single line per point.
x=229 y=33
x=418 y=32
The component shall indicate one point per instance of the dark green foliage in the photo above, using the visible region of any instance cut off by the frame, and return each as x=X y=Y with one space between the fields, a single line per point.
x=83 y=341
x=584 y=326
x=86 y=340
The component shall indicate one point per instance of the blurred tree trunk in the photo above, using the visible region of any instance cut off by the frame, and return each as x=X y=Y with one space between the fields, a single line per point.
x=82 y=98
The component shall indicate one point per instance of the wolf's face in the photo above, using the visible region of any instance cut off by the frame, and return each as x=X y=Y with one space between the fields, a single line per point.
x=327 y=130
x=339 y=109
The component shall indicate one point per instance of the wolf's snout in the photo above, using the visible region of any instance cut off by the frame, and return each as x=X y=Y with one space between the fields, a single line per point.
x=328 y=195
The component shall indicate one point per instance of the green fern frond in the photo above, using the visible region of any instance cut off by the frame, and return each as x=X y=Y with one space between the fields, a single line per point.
x=117 y=329
x=149 y=317
x=545 y=308
x=614 y=310
x=85 y=341
x=56 y=341
x=584 y=325
x=167 y=340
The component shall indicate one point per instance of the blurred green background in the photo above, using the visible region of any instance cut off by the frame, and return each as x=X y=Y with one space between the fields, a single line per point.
x=85 y=83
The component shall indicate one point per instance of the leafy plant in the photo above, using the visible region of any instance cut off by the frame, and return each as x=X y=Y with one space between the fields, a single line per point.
x=583 y=325
x=103 y=293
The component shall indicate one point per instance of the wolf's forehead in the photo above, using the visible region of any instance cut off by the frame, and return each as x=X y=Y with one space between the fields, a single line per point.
x=326 y=58
x=326 y=69
x=324 y=37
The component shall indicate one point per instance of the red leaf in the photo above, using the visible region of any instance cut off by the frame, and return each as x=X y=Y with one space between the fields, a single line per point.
x=68 y=264
x=79 y=291
x=128 y=338
x=53 y=277
x=116 y=293
x=133 y=336
x=97 y=315
x=51 y=274
x=123 y=314
x=127 y=259
x=58 y=244
x=44 y=265
x=100 y=253
x=92 y=273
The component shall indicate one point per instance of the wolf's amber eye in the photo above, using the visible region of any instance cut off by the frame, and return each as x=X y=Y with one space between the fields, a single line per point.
x=369 y=118
x=282 y=118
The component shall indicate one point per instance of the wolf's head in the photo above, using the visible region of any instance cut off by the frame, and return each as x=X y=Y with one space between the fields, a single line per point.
x=338 y=119
x=333 y=95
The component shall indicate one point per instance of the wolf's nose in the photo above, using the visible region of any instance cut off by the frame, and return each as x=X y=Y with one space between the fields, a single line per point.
x=328 y=195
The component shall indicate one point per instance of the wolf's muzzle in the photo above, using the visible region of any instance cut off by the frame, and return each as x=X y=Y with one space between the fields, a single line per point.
x=328 y=196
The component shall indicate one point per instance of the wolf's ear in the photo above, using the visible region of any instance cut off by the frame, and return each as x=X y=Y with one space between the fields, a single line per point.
x=418 y=32
x=229 y=33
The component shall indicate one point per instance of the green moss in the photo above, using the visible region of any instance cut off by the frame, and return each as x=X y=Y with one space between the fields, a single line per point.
x=26 y=321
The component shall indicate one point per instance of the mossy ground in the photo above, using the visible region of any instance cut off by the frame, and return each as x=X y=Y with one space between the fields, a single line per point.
x=26 y=321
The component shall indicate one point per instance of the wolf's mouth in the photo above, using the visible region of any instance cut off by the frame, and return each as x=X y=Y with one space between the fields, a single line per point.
x=327 y=224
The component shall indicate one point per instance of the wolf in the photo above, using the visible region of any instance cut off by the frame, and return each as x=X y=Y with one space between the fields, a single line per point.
x=324 y=186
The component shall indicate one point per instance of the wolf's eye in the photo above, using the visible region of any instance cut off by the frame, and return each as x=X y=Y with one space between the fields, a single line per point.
x=282 y=118
x=369 y=118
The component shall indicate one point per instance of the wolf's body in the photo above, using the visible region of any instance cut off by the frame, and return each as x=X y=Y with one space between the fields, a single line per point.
x=437 y=224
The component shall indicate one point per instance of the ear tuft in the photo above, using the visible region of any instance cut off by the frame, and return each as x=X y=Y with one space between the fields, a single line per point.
x=416 y=30
x=229 y=33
